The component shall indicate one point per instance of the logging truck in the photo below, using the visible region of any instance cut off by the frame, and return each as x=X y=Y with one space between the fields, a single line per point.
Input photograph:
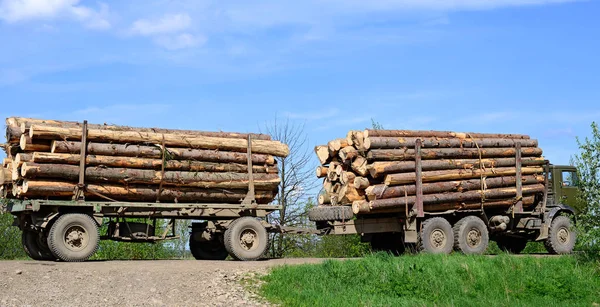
x=439 y=191
x=548 y=219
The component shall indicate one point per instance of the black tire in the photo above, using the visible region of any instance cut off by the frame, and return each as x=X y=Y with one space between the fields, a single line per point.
x=392 y=243
x=330 y=213
x=511 y=245
x=561 y=237
x=436 y=236
x=35 y=247
x=246 y=239
x=471 y=236
x=208 y=250
x=74 y=237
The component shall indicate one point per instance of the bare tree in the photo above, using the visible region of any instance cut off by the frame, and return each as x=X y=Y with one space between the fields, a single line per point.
x=297 y=181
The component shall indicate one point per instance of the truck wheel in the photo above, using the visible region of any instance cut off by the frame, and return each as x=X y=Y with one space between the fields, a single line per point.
x=246 y=239
x=436 y=236
x=511 y=245
x=34 y=246
x=471 y=236
x=74 y=237
x=392 y=243
x=208 y=250
x=561 y=237
x=330 y=213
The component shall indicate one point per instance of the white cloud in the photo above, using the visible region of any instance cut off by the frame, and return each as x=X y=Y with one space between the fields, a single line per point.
x=170 y=23
x=180 y=41
x=15 y=11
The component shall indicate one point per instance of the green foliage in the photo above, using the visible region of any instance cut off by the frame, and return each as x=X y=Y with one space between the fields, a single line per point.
x=346 y=246
x=436 y=280
x=587 y=163
x=10 y=239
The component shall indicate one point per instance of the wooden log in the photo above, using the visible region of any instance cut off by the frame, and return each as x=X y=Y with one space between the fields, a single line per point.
x=348 y=153
x=440 y=134
x=362 y=206
x=324 y=198
x=446 y=198
x=16 y=171
x=5 y=175
x=361 y=183
x=266 y=182
x=381 y=191
x=335 y=146
x=332 y=173
x=6 y=161
x=447 y=153
x=432 y=176
x=145 y=163
x=13 y=134
x=27 y=145
x=409 y=142
x=376 y=169
x=21 y=158
x=275 y=148
x=156 y=152
x=355 y=138
x=347 y=178
x=348 y=194
x=25 y=123
x=322 y=171
x=58 y=189
x=359 y=165
x=322 y=152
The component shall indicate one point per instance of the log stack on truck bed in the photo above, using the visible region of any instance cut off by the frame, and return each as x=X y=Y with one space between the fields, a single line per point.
x=44 y=161
x=387 y=171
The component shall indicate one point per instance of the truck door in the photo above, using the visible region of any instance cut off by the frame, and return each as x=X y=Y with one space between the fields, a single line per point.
x=569 y=188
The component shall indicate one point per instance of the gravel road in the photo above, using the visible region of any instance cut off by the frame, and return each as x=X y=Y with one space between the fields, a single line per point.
x=132 y=283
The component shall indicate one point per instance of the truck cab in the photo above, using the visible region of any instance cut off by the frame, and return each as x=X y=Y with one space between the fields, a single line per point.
x=563 y=186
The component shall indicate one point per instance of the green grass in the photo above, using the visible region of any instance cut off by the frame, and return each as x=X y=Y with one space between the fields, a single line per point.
x=432 y=280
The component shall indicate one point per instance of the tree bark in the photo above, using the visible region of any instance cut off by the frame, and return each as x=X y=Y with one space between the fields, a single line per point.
x=376 y=169
x=447 y=199
x=275 y=148
x=432 y=176
x=156 y=152
x=21 y=158
x=57 y=189
x=13 y=134
x=381 y=191
x=145 y=163
x=137 y=176
x=363 y=206
x=409 y=142
x=27 y=145
x=440 y=134
x=443 y=153
x=25 y=123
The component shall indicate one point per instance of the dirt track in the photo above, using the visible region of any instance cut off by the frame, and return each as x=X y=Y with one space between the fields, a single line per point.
x=131 y=283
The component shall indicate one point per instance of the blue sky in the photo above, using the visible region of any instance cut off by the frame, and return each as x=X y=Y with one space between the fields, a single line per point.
x=511 y=66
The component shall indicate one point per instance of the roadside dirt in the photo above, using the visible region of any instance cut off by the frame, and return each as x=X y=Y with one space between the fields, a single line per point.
x=132 y=283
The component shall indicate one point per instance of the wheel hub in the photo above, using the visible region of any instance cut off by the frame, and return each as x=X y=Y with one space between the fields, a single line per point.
x=248 y=239
x=76 y=238
x=563 y=236
x=473 y=238
x=438 y=238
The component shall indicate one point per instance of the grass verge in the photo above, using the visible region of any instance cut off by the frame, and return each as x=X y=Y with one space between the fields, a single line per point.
x=433 y=280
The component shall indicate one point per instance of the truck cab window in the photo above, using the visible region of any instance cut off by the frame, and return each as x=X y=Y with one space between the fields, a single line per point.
x=569 y=179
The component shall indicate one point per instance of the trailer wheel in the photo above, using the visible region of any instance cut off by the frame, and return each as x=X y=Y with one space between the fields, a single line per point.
x=436 y=236
x=74 y=237
x=471 y=236
x=208 y=250
x=246 y=239
x=511 y=245
x=35 y=247
x=561 y=237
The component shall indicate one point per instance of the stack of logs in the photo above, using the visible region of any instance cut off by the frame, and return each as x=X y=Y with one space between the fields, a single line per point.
x=136 y=164
x=375 y=170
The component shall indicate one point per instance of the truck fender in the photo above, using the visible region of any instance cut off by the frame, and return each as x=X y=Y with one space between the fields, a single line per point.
x=555 y=211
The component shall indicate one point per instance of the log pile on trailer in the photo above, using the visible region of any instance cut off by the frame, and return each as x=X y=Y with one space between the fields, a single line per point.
x=387 y=171
x=48 y=159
